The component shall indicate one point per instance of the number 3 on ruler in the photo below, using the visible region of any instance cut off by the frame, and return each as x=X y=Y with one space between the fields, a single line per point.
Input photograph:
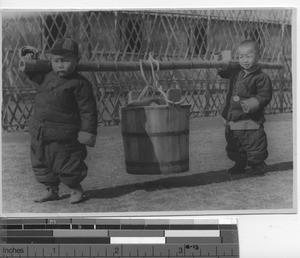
x=180 y=250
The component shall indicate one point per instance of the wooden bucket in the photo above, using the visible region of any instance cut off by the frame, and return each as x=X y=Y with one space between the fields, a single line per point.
x=156 y=139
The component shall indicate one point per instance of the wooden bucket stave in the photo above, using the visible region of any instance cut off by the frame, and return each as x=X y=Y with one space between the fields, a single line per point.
x=156 y=139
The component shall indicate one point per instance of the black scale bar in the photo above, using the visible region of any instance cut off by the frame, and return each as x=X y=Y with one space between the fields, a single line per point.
x=56 y=240
x=83 y=227
x=38 y=226
x=12 y=226
x=148 y=227
x=108 y=227
x=33 y=226
x=31 y=233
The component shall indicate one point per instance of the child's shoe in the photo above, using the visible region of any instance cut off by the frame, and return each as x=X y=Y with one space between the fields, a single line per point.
x=76 y=194
x=50 y=195
x=259 y=169
x=238 y=168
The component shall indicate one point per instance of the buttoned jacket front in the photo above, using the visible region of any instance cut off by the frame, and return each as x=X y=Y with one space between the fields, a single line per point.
x=244 y=85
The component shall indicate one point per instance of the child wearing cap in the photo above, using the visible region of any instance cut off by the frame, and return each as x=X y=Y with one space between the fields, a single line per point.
x=64 y=122
x=250 y=91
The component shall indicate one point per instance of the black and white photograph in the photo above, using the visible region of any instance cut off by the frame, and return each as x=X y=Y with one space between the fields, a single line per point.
x=148 y=111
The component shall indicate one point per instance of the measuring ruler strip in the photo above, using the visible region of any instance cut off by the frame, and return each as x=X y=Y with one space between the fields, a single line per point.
x=118 y=250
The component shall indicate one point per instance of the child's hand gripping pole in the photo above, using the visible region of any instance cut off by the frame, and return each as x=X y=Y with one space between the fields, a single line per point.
x=31 y=68
x=224 y=55
x=28 y=52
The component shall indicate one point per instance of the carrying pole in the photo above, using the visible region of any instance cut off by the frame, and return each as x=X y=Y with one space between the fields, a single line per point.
x=43 y=66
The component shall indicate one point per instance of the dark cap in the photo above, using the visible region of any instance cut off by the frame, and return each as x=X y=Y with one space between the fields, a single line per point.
x=64 y=45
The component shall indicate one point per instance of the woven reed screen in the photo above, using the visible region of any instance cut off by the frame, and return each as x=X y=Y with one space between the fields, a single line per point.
x=131 y=36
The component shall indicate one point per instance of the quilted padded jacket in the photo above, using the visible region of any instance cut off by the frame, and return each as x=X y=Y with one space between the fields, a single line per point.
x=245 y=85
x=63 y=108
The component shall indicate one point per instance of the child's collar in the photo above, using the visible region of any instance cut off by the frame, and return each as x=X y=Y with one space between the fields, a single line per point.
x=251 y=70
x=70 y=76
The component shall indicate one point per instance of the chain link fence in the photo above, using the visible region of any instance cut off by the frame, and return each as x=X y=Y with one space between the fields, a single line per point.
x=170 y=35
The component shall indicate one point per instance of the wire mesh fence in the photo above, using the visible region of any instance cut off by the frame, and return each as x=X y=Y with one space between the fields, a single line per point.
x=170 y=35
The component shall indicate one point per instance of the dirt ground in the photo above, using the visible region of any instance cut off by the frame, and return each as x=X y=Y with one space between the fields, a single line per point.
x=207 y=187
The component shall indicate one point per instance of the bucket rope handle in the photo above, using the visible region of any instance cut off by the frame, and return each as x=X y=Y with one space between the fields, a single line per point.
x=156 y=86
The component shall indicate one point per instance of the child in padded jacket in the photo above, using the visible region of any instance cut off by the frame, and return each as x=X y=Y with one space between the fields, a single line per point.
x=64 y=121
x=250 y=91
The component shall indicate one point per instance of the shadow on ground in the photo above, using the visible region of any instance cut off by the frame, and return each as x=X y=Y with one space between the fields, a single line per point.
x=198 y=179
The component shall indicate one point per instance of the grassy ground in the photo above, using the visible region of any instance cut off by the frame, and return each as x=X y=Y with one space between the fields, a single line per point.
x=206 y=187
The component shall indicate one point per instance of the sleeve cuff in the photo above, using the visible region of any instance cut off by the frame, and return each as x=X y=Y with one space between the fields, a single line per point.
x=259 y=99
x=251 y=105
x=87 y=138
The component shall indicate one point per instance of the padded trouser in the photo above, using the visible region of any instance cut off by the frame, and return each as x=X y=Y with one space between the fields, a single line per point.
x=58 y=161
x=247 y=146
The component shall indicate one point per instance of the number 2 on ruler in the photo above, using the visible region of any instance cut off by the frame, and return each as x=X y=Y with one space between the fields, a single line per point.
x=116 y=250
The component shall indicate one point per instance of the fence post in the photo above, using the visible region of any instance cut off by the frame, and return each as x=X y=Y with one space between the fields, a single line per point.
x=207 y=95
x=208 y=107
x=85 y=35
x=281 y=93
